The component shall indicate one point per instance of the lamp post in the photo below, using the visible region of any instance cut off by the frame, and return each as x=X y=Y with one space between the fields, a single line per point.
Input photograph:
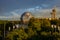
x=4 y=29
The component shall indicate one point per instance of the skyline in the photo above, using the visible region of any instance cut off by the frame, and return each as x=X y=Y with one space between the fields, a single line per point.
x=39 y=8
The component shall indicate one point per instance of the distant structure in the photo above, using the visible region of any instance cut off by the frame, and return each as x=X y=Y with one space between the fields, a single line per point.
x=53 y=13
x=25 y=17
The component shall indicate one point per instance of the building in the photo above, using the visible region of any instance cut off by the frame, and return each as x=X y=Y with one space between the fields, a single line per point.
x=53 y=13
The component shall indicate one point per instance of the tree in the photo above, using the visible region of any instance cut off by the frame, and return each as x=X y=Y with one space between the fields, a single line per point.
x=58 y=22
x=8 y=24
x=35 y=23
x=45 y=24
x=17 y=34
x=54 y=22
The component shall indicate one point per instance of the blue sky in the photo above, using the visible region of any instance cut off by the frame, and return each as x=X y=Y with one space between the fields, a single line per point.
x=17 y=7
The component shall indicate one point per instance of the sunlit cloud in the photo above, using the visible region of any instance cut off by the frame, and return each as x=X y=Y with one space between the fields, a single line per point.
x=37 y=11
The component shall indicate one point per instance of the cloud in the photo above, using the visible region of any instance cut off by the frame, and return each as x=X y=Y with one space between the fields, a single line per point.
x=15 y=14
x=37 y=11
x=18 y=12
x=45 y=5
x=34 y=9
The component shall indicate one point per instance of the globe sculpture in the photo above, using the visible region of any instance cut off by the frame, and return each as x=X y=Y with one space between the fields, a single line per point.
x=25 y=17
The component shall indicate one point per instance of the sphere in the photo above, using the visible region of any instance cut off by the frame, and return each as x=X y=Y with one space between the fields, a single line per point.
x=25 y=17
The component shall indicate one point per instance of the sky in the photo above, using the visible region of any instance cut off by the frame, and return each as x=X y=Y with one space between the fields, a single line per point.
x=37 y=7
